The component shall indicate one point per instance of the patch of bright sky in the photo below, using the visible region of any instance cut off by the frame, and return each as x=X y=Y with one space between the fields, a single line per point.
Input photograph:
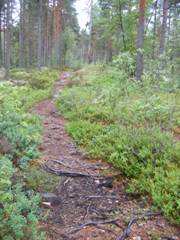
x=82 y=8
x=83 y=11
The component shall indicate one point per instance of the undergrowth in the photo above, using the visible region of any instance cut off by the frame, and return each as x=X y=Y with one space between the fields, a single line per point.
x=130 y=125
x=20 y=135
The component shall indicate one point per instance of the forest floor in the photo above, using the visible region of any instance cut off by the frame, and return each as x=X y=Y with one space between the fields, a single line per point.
x=90 y=201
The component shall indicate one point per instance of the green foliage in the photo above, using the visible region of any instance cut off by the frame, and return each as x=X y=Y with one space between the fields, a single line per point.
x=43 y=79
x=128 y=125
x=21 y=131
x=18 y=73
x=20 y=134
x=39 y=180
x=106 y=95
x=125 y=62
x=144 y=155
x=36 y=79
x=18 y=212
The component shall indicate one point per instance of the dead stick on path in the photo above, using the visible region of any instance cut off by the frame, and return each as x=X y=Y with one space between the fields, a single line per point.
x=62 y=163
x=94 y=223
x=87 y=210
x=134 y=220
x=106 y=229
x=87 y=166
x=67 y=174
x=74 y=174
x=68 y=166
x=101 y=197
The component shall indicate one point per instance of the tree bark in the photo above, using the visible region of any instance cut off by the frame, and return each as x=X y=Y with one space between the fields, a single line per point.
x=22 y=35
x=90 y=48
x=40 y=55
x=121 y=25
x=140 y=40
x=154 y=30
x=109 y=53
x=1 y=52
x=30 y=36
x=163 y=27
x=8 y=37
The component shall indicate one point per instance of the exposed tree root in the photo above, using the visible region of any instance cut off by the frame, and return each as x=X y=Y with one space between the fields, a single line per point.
x=87 y=166
x=106 y=180
x=66 y=173
x=95 y=224
x=134 y=220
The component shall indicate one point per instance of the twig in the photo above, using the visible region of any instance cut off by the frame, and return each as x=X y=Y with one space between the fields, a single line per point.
x=106 y=229
x=87 y=166
x=62 y=163
x=67 y=174
x=93 y=223
x=127 y=231
x=74 y=174
x=87 y=210
x=99 y=196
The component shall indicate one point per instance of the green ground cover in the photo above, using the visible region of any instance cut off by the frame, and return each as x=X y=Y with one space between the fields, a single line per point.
x=130 y=125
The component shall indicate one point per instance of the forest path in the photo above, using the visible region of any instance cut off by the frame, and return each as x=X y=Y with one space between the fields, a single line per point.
x=90 y=201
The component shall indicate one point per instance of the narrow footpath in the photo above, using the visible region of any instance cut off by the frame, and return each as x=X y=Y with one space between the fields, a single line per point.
x=90 y=201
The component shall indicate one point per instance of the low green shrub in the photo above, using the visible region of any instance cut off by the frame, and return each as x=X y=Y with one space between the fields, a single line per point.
x=129 y=125
x=43 y=79
x=35 y=78
x=18 y=211
x=39 y=180
x=144 y=155
x=108 y=99
x=125 y=62
x=20 y=135
x=87 y=104
x=19 y=74
x=22 y=98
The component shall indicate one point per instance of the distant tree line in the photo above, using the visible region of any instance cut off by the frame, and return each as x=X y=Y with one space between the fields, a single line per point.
x=46 y=32
x=143 y=27
x=36 y=36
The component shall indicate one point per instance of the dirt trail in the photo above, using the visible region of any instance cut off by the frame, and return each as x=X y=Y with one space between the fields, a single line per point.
x=92 y=201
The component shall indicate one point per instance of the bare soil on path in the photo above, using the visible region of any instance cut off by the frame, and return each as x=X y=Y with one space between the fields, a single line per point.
x=90 y=201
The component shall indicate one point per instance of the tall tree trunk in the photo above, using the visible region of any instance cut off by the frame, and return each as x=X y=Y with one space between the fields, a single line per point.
x=22 y=35
x=52 y=34
x=30 y=36
x=60 y=50
x=109 y=53
x=90 y=47
x=140 y=40
x=154 y=30
x=8 y=37
x=4 y=37
x=46 y=32
x=1 y=52
x=121 y=24
x=40 y=55
x=163 y=27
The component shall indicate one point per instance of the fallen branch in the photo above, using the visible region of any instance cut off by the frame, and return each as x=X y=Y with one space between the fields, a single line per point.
x=106 y=229
x=65 y=173
x=87 y=166
x=62 y=163
x=75 y=174
x=100 y=197
x=87 y=210
x=95 y=224
x=134 y=220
